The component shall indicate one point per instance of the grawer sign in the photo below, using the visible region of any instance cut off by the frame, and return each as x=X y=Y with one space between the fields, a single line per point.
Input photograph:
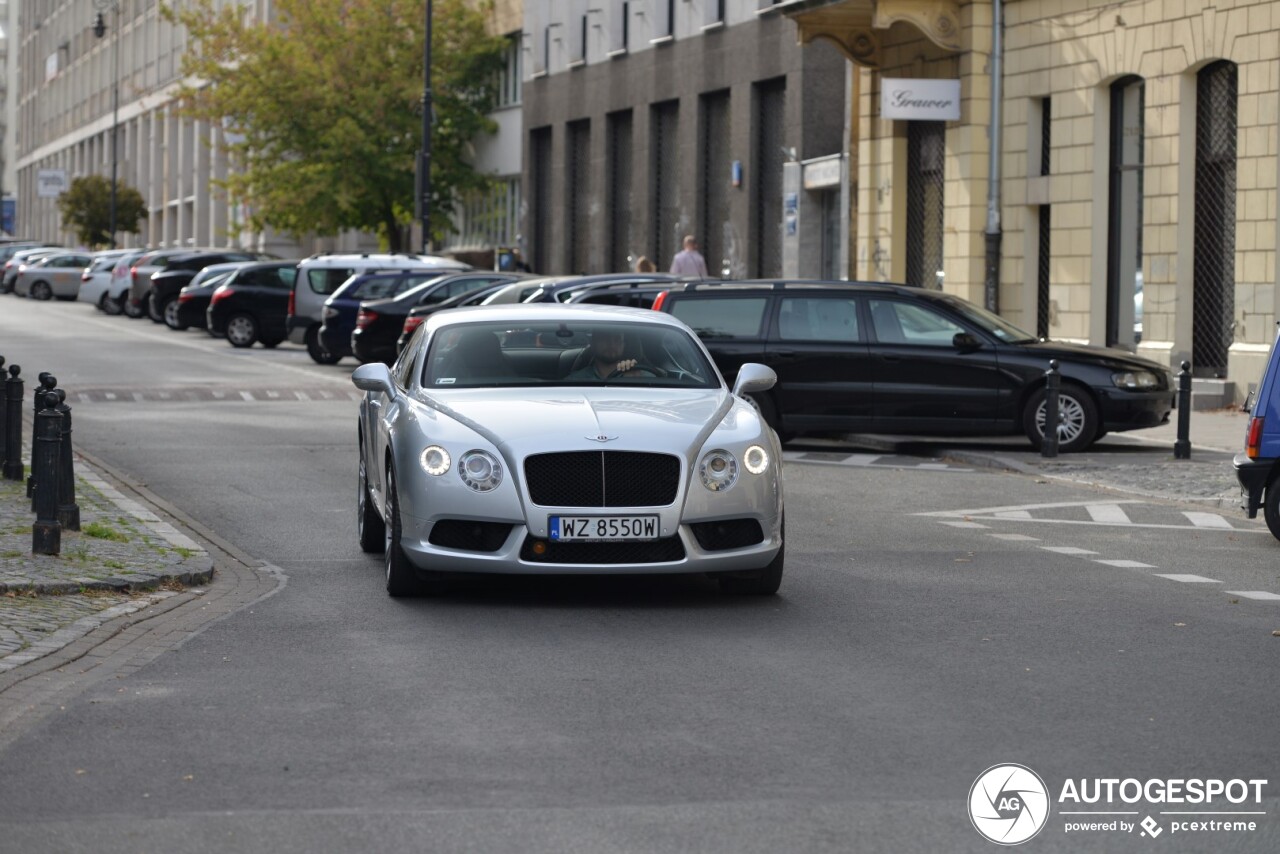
x=1010 y=804
x=920 y=100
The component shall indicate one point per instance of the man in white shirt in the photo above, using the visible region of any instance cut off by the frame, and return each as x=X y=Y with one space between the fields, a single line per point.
x=689 y=261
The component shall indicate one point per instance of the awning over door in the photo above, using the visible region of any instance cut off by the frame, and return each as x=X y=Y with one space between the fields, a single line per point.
x=855 y=26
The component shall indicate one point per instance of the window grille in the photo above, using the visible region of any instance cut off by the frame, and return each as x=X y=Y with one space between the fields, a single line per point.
x=540 y=179
x=770 y=143
x=578 y=196
x=620 y=201
x=1042 y=280
x=664 y=166
x=714 y=198
x=926 y=158
x=1213 y=278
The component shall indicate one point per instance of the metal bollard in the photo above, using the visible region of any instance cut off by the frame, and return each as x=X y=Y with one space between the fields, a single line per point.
x=33 y=480
x=1052 y=382
x=4 y=421
x=1182 y=446
x=46 y=533
x=47 y=384
x=68 y=510
x=13 y=469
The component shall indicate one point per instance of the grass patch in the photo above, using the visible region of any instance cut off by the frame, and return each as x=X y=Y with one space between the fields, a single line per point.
x=100 y=531
x=7 y=555
x=113 y=564
x=186 y=553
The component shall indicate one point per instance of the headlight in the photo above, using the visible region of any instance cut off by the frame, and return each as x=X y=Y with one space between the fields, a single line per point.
x=1135 y=379
x=480 y=470
x=435 y=460
x=718 y=470
x=756 y=459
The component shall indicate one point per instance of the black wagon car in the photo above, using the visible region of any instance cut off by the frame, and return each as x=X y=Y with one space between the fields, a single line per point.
x=379 y=322
x=418 y=314
x=872 y=357
x=166 y=284
x=252 y=304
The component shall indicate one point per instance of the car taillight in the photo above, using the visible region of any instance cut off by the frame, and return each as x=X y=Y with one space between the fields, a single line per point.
x=659 y=300
x=133 y=273
x=184 y=297
x=364 y=318
x=220 y=294
x=1253 y=441
x=411 y=323
x=292 y=304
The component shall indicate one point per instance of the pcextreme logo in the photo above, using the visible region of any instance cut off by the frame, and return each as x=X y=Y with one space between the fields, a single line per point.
x=1008 y=804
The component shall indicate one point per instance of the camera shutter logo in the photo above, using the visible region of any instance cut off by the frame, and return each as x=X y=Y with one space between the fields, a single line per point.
x=1008 y=804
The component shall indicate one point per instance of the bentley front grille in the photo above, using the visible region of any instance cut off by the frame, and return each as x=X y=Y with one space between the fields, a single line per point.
x=602 y=479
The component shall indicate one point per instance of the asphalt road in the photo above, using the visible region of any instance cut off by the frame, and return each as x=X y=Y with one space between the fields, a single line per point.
x=932 y=623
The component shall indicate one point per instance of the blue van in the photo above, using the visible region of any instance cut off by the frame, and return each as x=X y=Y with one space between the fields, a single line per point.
x=1258 y=468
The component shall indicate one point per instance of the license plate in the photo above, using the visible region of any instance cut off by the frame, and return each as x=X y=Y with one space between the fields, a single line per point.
x=583 y=528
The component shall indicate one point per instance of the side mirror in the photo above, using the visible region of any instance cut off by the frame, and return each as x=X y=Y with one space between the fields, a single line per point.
x=966 y=342
x=753 y=378
x=374 y=376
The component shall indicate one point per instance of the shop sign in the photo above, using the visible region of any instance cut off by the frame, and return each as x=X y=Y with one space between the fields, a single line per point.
x=920 y=100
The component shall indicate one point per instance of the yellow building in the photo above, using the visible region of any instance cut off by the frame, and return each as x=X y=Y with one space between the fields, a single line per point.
x=1135 y=155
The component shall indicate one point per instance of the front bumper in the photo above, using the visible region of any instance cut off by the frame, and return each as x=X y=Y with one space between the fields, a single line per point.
x=424 y=555
x=1253 y=476
x=1132 y=410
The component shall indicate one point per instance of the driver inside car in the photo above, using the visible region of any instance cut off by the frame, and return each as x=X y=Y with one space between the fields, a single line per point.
x=607 y=350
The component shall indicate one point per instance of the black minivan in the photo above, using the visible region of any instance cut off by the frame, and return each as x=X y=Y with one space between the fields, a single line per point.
x=871 y=357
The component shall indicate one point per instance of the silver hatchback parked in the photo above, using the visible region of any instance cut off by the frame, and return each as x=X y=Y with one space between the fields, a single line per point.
x=52 y=276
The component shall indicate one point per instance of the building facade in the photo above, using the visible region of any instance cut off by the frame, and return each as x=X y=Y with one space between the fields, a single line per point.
x=1129 y=166
x=646 y=120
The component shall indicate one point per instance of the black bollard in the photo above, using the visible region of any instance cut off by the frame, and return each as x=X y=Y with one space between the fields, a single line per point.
x=68 y=510
x=4 y=421
x=33 y=480
x=1182 y=446
x=13 y=469
x=47 y=384
x=46 y=533
x=1052 y=382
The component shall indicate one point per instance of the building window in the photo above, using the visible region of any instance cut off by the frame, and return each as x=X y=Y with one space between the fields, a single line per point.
x=664 y=167
x=619 y=253
x=620 y=28
x=926 y=162
x=1042 y=268
x=509 y=78
x=770 y=140
x=577 y=196
x=1213 y=277
x=488 y=219
x=664 y=20
x=714 y=151
x=540 y=189
x=1124 y=245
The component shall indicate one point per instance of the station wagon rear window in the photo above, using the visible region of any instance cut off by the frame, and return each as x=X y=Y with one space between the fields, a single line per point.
x=720 y=318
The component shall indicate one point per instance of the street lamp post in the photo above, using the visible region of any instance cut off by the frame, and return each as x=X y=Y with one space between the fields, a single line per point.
x=424 y=161
x=100 y=30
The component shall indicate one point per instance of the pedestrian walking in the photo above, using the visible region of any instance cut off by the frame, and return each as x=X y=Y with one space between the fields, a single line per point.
x=689 y=261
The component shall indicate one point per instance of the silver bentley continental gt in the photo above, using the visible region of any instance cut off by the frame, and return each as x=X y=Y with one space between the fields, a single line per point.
x=566 y=439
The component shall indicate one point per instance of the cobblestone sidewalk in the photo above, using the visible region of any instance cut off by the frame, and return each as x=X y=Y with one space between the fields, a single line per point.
x=123 y=559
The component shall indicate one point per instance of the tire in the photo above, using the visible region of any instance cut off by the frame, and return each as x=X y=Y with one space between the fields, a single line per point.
x=402 y=579
x=271 y=343
x=242 y=330
x=131 y=311
x=316 y=350
x=1271 y=508
x=41 y=291
x=1078 y=426
x=107 y=305
x=763 y=582
x=170 y=313
x=155 y=312
x=369 y=525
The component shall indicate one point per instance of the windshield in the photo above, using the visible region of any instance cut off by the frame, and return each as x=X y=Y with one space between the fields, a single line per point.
x=992 y=324
x=581 y=353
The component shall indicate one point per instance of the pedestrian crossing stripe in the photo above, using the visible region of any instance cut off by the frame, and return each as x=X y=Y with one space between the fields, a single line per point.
x=1110 y=513
x=859 y=460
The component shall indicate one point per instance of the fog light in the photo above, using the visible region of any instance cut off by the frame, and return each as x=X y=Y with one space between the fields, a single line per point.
x=539 y=547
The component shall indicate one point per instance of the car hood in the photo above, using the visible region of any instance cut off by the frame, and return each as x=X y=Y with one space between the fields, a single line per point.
x=520 y=423
x=1108 y=356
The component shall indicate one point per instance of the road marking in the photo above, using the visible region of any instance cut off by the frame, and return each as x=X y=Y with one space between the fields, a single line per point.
x=1126 y=564
x=302 y=395
x=246 y=395
x=1067 y=550
x=1112 y=514
x=1013 y=514
x=963 y=524
x=1254 y=594
x=1020 y=538
x=1189 y=579
x=987 y=511
x=1206 y=520
x=111 y=396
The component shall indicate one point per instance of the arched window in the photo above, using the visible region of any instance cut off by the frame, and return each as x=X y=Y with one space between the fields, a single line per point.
x=1124 y=243
x=1213 y=277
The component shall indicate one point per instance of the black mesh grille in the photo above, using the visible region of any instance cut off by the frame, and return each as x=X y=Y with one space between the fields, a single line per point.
x=1042 y=278
x=652 y=551
x=926 y=161
x=727 y=534
x=1213 y=320
x=468 y=535
x=602 y=479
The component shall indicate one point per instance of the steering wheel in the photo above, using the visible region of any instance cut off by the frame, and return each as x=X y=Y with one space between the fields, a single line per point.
x=638 y=366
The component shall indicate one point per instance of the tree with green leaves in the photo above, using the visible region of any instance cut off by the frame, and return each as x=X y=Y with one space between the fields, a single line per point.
x=322 y=107
x=86 y=209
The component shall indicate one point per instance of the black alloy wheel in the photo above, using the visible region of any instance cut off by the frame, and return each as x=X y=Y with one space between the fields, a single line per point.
x=242 y=330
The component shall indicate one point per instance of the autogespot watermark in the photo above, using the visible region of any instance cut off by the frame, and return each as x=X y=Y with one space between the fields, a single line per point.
x=1010 y=804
